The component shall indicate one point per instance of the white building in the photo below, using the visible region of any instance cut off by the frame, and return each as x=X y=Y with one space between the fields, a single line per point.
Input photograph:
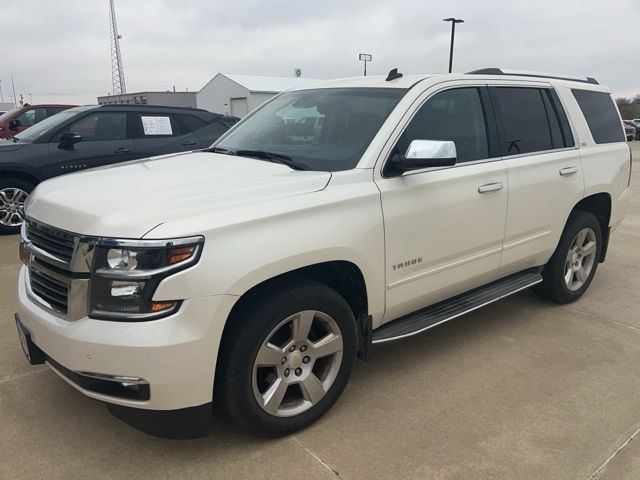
x=237 y=95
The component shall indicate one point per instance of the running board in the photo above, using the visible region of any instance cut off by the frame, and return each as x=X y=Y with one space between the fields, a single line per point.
x=441 y=312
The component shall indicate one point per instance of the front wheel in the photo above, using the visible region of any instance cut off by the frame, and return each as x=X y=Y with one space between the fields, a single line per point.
x=13 y=194
x=286 y=358
x=573 y=265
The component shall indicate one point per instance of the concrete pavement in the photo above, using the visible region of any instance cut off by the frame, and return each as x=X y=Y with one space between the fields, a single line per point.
x=521 y=389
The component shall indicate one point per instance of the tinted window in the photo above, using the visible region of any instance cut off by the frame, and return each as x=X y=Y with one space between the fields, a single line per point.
x=32 y=116
x=601 y=115
x=101 y=127
x=53 y=110
x=523 y=120
x=192 y=123
x=455 y=115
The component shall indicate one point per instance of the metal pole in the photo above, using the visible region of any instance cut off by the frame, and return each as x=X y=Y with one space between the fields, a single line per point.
x=365 y=68
x=13 y=85
x=1 y=96
x=453 y=34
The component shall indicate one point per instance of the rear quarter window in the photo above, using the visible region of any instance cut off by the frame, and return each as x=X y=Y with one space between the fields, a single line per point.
x=601 y=115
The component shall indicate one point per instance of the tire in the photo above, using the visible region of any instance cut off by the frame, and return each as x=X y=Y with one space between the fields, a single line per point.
x=13 y=193
x=241 y=383
x=559 y=285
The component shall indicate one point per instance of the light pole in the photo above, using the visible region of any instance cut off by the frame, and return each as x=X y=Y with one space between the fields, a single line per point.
x=365 y=57
x=453 y=34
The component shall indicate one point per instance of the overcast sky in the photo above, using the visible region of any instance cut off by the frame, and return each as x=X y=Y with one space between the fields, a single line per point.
x=58 y=50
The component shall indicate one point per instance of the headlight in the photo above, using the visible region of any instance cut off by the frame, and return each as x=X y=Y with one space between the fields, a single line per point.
x=127 y=273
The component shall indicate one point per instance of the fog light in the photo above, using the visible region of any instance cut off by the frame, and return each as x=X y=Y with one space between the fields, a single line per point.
x=121 y=259
x=126 y=289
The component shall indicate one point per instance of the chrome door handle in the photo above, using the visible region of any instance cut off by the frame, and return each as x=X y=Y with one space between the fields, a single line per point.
x=490 y=187
x=568 y=171
x=121 y=150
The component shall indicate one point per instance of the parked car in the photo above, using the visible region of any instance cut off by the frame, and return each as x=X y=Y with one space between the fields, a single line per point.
x=250 y=275
x=19 y=119
x=92 y=136
x=629 y=129
x=636 y=123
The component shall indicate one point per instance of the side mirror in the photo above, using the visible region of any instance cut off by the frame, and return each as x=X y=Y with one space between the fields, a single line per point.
x=14 y=124
x=69 y=139
x=426 y=154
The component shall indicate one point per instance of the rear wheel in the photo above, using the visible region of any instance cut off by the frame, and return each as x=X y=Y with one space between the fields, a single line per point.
x=572 y=267
x=13 y=194
x=286 y=358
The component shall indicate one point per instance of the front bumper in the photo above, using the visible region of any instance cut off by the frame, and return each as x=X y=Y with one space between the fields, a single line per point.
x=175 y=355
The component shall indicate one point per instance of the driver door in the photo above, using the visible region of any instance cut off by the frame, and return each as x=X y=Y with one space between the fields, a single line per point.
x=444 y=227
x=104 y=141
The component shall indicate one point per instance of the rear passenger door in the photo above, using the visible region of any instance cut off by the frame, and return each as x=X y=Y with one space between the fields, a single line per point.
x=161 y=133
x=544 y=170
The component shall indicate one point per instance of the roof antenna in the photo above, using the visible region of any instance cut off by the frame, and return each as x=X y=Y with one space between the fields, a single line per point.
x=393 y=75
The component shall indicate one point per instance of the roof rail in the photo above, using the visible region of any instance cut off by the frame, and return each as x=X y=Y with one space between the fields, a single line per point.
x=517 y=73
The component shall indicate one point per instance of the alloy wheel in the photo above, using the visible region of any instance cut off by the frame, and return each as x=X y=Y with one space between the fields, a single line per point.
x=580 y=259
x=297 y=363
x=12 y=206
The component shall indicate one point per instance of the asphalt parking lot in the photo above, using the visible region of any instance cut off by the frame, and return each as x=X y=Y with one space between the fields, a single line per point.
x=521 y=389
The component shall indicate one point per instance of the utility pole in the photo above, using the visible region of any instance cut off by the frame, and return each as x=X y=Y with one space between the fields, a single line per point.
x=453 y=34
x=1 y=96
x=117 y=70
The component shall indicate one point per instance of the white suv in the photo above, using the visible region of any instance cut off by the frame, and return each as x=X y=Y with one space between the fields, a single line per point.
x=252 y=275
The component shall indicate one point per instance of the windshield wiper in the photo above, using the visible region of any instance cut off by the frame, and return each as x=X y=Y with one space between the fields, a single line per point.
x=272 y=157
x=219 y=150
x=261 y=154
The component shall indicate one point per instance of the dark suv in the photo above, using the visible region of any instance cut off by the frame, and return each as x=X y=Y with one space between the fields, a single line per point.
x=92 y=136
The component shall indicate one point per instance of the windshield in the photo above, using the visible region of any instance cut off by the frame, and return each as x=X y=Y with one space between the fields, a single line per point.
x=8 y=114
x=32 y=133
x=323 y=129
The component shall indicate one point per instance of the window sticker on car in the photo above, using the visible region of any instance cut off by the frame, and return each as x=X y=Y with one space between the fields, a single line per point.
x=156 y=125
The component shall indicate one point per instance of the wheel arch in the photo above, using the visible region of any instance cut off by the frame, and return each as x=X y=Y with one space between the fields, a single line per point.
x=21 y=174
x=598 y=204
x=344 y=276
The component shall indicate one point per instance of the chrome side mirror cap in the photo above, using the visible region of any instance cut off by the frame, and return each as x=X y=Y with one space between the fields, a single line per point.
x=424 y=154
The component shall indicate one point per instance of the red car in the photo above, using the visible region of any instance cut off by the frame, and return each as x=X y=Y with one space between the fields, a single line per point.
x=21 y=118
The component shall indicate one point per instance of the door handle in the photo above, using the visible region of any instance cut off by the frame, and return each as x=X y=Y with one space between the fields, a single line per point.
x=120 y=150
x=568 y=171
x=189 y=143
x=490 y=187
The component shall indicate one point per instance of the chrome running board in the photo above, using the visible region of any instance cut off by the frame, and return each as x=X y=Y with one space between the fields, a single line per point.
x=441 y=312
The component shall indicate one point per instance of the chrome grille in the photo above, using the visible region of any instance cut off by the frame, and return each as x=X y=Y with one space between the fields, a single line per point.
x=52 y=240
x=54 y=291
x=48 y=253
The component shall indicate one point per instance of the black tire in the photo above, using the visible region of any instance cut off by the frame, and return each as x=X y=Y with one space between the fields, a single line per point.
x=554 y=287
x=13 y=182
x=250 y=325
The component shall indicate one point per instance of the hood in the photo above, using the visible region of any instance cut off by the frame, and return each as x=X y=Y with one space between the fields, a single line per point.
x=10 y=145
x=128 y=200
